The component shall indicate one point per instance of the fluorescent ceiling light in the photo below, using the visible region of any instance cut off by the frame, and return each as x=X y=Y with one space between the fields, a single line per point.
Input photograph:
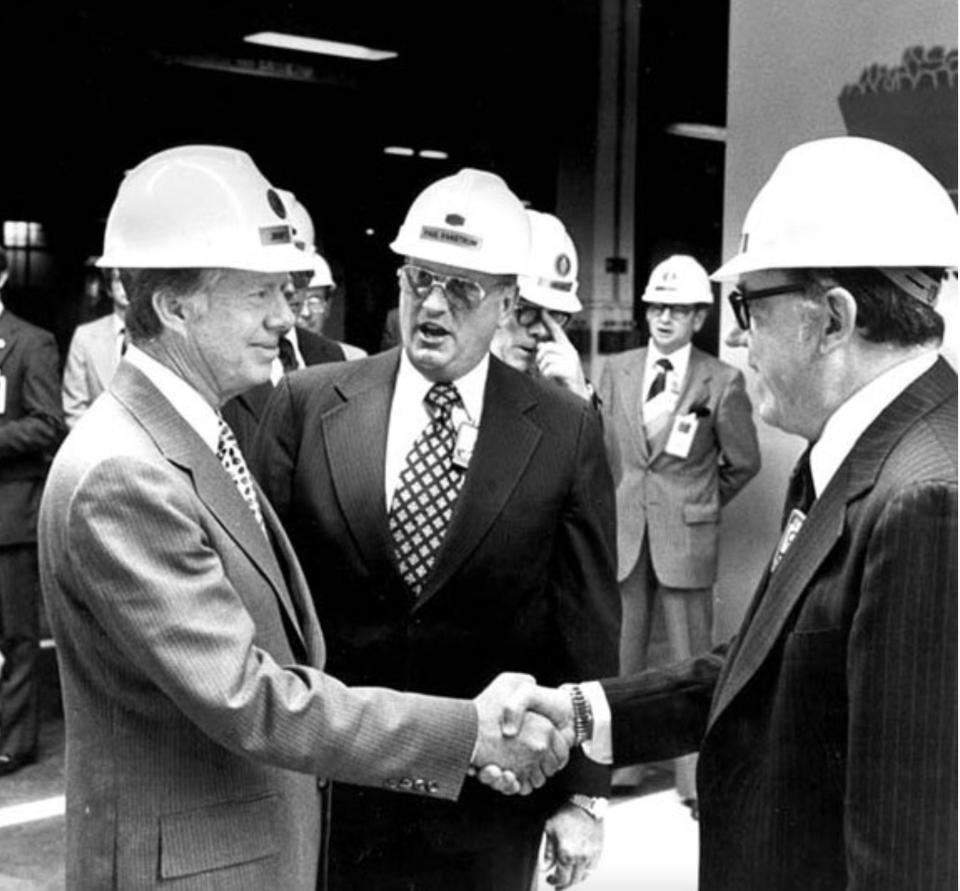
x=699 y=131
x=399 y=150
x=433 y=153
x=321 y=47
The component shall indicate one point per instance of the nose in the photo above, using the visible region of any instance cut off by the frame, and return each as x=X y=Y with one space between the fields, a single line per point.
x=436 y=299
x=281 y=316
x=736 y=337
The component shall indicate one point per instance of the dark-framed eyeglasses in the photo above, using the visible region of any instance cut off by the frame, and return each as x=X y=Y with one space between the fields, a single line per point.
x=676 y=310
x=740 y=300
x=463 y=293
x=528 y=314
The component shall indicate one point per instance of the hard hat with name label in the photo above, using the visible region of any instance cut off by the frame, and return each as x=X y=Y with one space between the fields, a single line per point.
x=678 y=280
x=471 y=220
x=847 y=202
x=199 y=206
x=304 y=235
x=551 y=277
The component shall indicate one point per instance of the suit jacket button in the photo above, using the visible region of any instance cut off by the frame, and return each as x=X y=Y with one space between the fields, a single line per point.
x=420 y=785
x=433 y=786
x=406 y=783
x=322 y=783
x=390 y=784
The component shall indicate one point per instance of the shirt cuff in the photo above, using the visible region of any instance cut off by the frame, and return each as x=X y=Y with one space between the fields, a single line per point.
x=599 y=747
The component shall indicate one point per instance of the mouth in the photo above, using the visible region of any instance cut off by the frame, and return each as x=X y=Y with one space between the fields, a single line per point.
x=430 y=332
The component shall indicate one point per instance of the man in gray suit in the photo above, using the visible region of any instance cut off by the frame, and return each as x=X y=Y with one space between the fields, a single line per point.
x=198 y=715
x=95 y=351
x=681 y=441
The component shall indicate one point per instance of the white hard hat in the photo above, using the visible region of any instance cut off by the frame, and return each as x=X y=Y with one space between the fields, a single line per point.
x=471 y=220
x=678 y=280
x=199 y=206
x=551 y=277
x=322 y=277
x=304 y=235
x=847 y=202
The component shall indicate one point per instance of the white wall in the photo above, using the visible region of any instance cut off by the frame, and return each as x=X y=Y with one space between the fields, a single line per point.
x=788 y=64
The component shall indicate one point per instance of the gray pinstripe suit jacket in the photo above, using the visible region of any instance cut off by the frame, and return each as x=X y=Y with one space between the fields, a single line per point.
x=828 y=734
x=191 y=658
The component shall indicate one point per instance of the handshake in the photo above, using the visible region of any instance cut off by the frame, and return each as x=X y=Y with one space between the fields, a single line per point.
x=524 y=734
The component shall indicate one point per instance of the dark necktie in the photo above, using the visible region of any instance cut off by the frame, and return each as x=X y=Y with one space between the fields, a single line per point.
x=287 y=359
x=800 y=490
x=660 y=381
x=427 y=491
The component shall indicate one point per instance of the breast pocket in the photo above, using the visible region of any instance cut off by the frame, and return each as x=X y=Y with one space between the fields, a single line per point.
x=219 y=836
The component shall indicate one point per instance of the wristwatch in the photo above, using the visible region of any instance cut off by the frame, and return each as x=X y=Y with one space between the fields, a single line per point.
x=595 y=807
x=582 y=714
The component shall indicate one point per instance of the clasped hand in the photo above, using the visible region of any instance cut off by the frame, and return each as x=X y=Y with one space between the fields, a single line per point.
x=524 y=734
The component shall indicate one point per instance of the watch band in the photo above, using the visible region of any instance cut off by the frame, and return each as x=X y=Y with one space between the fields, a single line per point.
x=595 y=807
x=582 y=715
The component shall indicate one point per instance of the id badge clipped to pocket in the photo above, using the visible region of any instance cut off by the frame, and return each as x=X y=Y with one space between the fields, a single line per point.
x=681 y=435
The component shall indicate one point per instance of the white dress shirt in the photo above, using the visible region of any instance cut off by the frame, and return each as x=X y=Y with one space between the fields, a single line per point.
x=841 y=432
x=188 y=402
x=409 y=415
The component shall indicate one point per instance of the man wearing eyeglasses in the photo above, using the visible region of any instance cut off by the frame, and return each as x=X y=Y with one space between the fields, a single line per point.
x=455 y=519
x=827 y=728
x=682 y=443
x=532 y=338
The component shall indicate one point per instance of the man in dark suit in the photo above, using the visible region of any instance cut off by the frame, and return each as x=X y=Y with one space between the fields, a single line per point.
x=198 y=713
x=505 y=560
x=31 y=427
x=827 y=728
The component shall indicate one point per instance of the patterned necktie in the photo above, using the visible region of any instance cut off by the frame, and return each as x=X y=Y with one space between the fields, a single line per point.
x=287 y=358
x=660 y=381
x=427 y=491
x=800 y=497
x=229 y=454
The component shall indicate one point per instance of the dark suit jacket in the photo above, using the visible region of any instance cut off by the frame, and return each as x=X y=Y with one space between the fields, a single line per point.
x=524 y=581
x=31 y=426
x=828 y=735
x=243 y=412
x=197 y=713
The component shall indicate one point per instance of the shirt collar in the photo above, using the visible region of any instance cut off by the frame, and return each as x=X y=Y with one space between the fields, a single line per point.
x=845 y=426
x=412 y=386
x=192 y=407
x=679 y=359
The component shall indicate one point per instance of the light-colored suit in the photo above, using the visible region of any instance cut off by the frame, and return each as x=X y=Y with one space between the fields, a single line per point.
x=91 y=363
x=676 y=501
x=183 y=638
x=668 y=507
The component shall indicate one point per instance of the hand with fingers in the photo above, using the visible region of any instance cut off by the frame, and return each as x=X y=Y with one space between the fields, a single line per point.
x=521 y=700
x=558 y=359
x=519 y=749
x=573 y=840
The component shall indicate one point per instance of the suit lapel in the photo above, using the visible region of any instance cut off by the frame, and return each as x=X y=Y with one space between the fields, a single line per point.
x=505 y=443
x=633 y=398
x=355 y=438
x=823 y=528
x=181 y=446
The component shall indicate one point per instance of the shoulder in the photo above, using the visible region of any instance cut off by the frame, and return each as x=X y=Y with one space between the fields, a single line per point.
x=22 y=329
x=317 y=349
x=314 y=383
x=714 y=365
x=617 y=362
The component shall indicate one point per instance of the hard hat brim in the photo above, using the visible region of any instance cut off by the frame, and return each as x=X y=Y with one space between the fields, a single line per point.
x=281 y=258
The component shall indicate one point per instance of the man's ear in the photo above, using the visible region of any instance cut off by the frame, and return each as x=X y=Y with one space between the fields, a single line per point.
x=839 y=322
x=507 y=303
x=699 y=317
x=173 y=310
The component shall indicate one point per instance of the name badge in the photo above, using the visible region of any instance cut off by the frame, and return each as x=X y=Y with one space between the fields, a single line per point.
x=3 y=395
x=463 y=447
x=681 y=435
x=790 y=531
